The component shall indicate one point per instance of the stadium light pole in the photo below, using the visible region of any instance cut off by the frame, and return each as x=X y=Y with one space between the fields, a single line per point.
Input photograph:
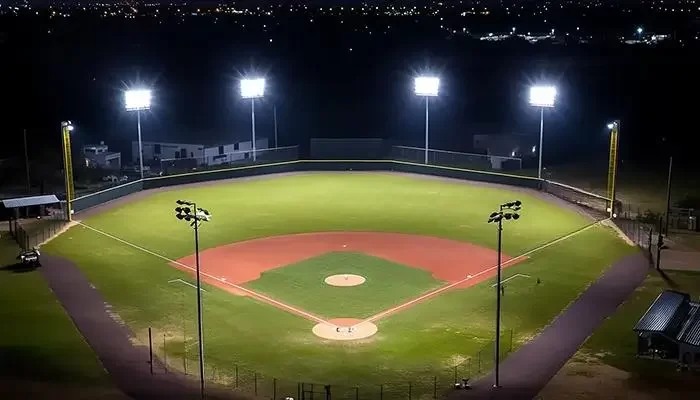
x=189 y=212
x=253 y=89
x=506 y=211
x=426 y=86
x=138 y=100
x=542 y=97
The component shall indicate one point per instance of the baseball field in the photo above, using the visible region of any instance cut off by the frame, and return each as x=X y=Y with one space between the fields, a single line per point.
x=352 y=279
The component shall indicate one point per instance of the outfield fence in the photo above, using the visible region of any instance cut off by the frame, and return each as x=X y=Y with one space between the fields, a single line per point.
x=171 y=354
x=170 y=166
x=456 y=159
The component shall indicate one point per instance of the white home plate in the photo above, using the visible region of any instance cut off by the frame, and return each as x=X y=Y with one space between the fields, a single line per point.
x=345 y=280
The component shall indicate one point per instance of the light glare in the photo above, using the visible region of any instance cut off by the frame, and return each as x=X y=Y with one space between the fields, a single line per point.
x=252 y=88
x=137 y=99
x=427 y=86
x=543 y=96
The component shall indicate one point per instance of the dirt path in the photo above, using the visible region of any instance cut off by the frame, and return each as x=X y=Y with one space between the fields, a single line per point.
x=527 y=371
x=126 y=363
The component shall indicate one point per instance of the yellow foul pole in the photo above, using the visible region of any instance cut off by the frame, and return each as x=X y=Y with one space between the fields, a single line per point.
x=66 y=128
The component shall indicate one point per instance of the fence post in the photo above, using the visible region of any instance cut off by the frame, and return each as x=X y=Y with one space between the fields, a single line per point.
x=381 y=392
x=357 y=393
x=236 y=375
x=274 y=388
x=255 y=382
x=409 y=390
x=511 y=341
x=455 y=374
x=435 y=387
x=150 y=349
x=165 y=355
x=478 y=368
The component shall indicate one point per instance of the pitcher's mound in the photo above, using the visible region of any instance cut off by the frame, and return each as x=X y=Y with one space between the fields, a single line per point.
x=345 y=329
x=345 y=280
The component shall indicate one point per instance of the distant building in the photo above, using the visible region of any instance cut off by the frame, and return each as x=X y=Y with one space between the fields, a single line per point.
x=670 y=329
x=504 y=148
x=196 y=154
x=98 y=155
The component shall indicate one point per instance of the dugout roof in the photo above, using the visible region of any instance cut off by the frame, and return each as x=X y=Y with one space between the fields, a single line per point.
x=30 y=201
x=675 y=316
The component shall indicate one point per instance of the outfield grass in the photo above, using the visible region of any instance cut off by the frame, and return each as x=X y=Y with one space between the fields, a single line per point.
x=38 y=342
x=387 y=284
x=423 y=341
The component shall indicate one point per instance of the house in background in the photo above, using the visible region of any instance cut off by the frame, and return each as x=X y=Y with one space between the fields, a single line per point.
x=98 y=155
x=670 y=329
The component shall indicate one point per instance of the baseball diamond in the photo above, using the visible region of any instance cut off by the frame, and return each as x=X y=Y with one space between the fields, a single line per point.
x=355 y=280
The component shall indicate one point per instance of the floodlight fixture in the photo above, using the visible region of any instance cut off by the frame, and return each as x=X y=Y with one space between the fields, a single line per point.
x=252 y=88
x=137 y=99
x=427 y=86
x=640 y=30
x=543 y=96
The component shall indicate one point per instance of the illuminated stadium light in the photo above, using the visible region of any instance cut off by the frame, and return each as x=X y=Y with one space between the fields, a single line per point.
x=137 y=99
x=252 y=88
x=543 y=96
x=427 y=86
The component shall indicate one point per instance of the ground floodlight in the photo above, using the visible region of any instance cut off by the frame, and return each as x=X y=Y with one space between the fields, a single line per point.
x=493 y=214
x=516 y=216
x=508 y=215
x=137 y=99
x=518 y=203
x=543 y=96
x=180 y=216
x=178 y=209
x=252 y=88
x=611 y=125
x=427 y=86
x=186 y=210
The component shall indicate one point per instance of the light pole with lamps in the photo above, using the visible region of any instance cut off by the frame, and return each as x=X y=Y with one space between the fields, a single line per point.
x=542 y=97
x=426 y=86
x=506 y=211
x=253 y=89
x=188 y=211
x=138 y=100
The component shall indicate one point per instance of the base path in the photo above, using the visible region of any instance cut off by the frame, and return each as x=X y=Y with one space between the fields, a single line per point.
x=527 y=371
x=460 y=264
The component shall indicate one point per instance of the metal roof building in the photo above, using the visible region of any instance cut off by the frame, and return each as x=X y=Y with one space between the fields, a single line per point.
x=30 y=201
x=672 y=323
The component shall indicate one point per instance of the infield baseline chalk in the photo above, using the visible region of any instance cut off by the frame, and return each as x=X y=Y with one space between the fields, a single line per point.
x=511 y=277
x=186 y=283
x=241 y=288
x=453 y=284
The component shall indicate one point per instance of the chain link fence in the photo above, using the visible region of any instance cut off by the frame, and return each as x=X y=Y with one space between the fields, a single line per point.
x=176 y=354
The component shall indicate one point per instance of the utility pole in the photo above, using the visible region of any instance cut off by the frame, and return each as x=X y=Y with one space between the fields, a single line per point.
x=26 y=163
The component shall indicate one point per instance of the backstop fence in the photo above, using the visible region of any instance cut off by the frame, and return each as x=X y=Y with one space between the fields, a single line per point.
x=178 y=355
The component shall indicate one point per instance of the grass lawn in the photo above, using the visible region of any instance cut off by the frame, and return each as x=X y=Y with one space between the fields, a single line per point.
x=39 y=345
x=414 y=345
x=607 y=360
x=302 y=284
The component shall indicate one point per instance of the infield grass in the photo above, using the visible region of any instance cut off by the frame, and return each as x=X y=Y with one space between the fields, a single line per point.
x=387 y=284
x=416 y=344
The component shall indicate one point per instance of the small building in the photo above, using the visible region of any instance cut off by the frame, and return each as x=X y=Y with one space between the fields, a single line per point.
x=195 y=154
x=506 y=151
x=670 y=329
x=98 y=155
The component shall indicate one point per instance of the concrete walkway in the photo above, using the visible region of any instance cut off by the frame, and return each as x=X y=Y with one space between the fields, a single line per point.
x=527 y=371
x=126 y=363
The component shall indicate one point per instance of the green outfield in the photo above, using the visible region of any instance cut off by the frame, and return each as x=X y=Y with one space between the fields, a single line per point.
x=419 y=343
x=302 y=284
